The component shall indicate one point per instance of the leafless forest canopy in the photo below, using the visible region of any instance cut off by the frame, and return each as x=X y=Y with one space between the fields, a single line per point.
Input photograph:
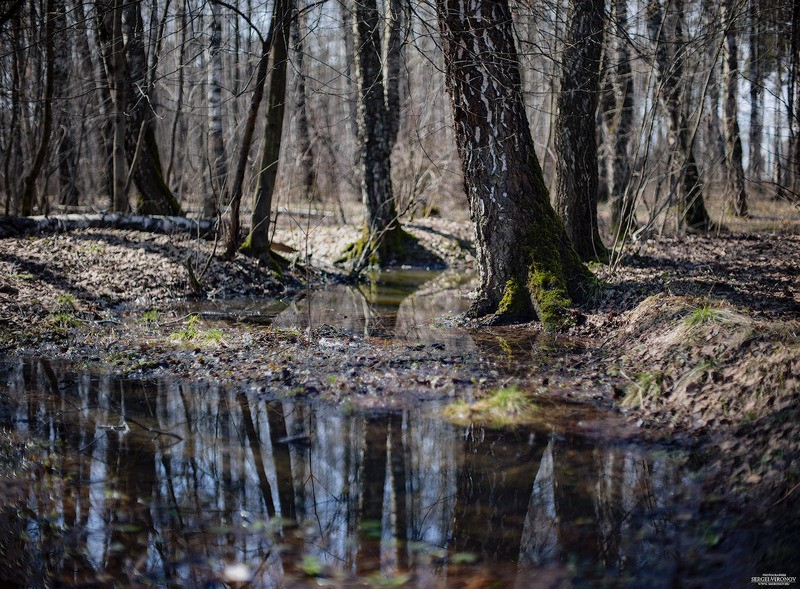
x=715 y=75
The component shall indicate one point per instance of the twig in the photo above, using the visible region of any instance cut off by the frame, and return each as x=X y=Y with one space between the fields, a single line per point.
x=789 y=492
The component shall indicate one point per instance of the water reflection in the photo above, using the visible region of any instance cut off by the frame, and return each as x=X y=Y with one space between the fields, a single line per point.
x=170 y=483
x=402 y=304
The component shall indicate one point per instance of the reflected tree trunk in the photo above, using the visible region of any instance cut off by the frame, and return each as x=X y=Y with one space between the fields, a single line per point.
x=372 y=480
x=258 y=458
x=575 y=474
x=397 y=459
x=130 y=524
x=494 y=491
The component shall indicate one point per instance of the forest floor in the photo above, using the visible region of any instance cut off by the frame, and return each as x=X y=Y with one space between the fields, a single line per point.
x=693 y=339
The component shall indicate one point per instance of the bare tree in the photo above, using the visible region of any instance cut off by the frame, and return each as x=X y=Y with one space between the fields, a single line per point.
x=219 y=164
x=305 y=156
x=666 y=24
x=28 y=194
x=576 y=128
x=622 y=202
x=141 y=148
x=377 y=73
x=257 y=242
x=733 y=141
x=756 y=73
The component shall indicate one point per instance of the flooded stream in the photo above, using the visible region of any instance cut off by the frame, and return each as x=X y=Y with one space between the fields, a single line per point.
x=173 y=483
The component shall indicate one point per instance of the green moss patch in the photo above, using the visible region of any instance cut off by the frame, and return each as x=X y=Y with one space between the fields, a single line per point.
x=505 y=407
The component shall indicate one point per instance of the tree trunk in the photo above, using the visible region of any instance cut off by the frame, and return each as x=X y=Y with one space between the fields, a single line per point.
x=576 y=128
x=526 y=261
x=733 y=141
x=219 y=164
x=155 y=196
x=666 y=28
x=28 y=196
x=305 y=156
x=378 y=107
x=622 y=202
x=757 y=77
x=12 y=166
x=257 y=242
x=67 y=155
x=716 y=137
x=793 y=106
x=235 y=197
x=120 y=82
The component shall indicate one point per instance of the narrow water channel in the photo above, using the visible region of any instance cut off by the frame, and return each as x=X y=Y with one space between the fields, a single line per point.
x=173 y=483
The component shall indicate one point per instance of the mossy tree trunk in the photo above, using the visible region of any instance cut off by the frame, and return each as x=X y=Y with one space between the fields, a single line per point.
x=257 y=242
x=235 y=195
x=666 y=29
x=527 y=264
x=377 y=72
x=576 y=128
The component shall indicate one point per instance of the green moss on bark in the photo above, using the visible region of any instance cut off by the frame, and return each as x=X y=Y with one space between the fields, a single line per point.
x=515 y=304
x=551 y=274
x=396 y=246
x=274 y=261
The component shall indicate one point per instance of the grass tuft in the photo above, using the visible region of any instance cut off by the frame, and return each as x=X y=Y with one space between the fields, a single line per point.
x=506 y=407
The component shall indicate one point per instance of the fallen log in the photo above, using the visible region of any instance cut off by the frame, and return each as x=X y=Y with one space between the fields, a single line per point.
x=19 y=226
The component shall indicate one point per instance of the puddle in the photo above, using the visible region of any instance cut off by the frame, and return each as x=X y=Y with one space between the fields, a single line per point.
x=168 y=483
x=401 y=304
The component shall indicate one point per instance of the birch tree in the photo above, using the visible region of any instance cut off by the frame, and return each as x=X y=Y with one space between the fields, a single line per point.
x=219 y=164
x=526 y=261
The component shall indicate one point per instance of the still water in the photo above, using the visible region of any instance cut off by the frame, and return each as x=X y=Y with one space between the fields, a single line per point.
x=171 y=483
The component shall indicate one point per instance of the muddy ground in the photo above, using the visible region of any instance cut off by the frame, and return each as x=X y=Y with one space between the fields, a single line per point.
x=694 y=339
